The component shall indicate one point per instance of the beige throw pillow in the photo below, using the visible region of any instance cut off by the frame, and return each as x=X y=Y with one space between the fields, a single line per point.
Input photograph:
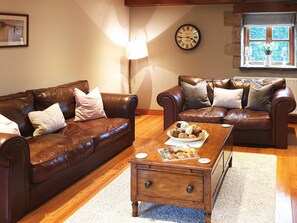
x=88 y=106
x=227 y=98
x=8 y=126
x=48 y=120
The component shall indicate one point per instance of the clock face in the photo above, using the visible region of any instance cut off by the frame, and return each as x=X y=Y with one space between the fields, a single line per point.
x=187 y=37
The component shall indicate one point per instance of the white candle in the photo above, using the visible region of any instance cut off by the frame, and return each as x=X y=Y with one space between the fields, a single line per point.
x=284 y=52
x=247 y=50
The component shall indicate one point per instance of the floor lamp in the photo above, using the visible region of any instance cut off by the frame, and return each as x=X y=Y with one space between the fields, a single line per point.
x=135 y=50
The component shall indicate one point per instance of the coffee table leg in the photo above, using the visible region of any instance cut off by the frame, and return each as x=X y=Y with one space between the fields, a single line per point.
x=134 y=209
x=207 y=217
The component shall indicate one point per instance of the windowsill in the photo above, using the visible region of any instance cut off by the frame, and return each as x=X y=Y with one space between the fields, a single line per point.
x=272 y=67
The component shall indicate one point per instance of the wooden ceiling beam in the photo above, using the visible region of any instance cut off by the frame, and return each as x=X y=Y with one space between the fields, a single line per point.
x=143 y=3
x=265 y=7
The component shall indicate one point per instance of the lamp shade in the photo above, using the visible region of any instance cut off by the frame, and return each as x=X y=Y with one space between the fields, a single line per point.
x=136 y=49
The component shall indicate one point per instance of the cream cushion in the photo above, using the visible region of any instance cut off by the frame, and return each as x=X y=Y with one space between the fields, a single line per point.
x=48 y=120
x=227 y=98
x=8 y=126
x=88 y=106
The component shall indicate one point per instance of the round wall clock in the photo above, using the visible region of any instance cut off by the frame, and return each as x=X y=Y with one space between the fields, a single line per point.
x=187 y=37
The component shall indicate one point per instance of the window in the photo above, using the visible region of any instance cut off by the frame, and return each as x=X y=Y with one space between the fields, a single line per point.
x=268 y=40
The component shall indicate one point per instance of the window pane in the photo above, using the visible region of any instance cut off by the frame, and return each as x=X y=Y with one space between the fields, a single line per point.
x=257 y=33
x=280 y=33
x=277 y=53
x=257 y=51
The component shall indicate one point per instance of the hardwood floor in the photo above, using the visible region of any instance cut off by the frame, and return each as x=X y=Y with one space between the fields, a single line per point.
x=148 y=126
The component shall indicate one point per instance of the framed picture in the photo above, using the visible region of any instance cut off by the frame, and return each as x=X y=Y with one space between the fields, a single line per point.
x=13 y=30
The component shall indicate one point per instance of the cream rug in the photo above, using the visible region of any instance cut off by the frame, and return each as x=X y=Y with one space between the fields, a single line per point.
x=247 y=196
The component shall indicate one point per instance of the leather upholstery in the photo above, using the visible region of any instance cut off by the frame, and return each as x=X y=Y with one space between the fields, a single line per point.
x=250 y=127
x=32 y=169
x=45 y=97
x=52 y=153
x=16 y=107
x=207 y=114
x=248 y=119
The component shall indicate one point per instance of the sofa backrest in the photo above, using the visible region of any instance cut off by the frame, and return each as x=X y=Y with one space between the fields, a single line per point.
x=236 y=83
x=233 y=83
x=16 y=108
x=63 y=94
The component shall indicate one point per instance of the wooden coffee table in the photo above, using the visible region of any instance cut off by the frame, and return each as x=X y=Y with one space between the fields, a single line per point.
x=185 y=183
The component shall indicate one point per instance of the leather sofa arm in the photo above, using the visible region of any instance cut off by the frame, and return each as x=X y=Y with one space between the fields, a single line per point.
x=172 y=101
x=14 y=177
x=121 y=106
x=284 y=95
x=282 y=103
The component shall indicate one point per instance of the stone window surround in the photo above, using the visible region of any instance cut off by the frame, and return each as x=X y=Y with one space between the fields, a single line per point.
x=234 y=49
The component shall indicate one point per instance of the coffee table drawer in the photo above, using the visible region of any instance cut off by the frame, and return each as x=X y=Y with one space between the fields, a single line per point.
x=170 y=185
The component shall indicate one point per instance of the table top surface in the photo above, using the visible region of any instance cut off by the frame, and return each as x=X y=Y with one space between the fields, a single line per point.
x=211 y=148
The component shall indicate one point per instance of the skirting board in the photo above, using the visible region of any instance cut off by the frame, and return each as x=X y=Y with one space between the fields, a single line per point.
x=149 y=112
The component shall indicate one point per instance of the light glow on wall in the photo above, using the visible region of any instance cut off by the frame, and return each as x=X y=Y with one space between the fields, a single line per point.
x=111 y=16
x=155 y=21
x=136 y=49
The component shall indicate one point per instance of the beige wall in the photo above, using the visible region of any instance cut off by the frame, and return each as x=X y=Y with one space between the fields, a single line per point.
x=68 y=40
x=159 y=71
x=84 y=39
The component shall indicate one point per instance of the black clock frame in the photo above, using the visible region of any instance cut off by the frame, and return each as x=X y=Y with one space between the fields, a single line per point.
x=195 y=27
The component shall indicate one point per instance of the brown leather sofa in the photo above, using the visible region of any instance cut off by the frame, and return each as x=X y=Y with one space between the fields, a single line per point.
x=33 y=169
x=251 y=127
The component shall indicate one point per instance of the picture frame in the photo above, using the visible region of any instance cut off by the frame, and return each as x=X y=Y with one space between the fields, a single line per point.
x=14 y=30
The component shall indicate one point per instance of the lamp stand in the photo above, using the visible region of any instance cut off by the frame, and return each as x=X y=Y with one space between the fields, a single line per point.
x=135 y=50
x=129 y=76
x=137 y=114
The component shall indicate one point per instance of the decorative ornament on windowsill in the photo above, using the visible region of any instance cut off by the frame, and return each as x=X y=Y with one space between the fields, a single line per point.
x=268 y=50
x=284 y=55
x=247 y=54
x=135 y=49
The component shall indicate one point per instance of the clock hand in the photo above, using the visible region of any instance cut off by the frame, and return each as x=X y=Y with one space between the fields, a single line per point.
x=187 y=37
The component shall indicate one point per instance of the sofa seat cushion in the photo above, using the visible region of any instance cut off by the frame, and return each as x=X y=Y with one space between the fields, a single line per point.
x=248 y=119
x=207 y=114
x=103 y=131
x=52 y=153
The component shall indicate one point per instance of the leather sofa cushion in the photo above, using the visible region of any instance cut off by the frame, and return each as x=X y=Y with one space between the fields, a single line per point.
x=103 y=131
x=63 y=94
x=52 y=153
x=207 y=114
x=247 y=119
x=16 y=108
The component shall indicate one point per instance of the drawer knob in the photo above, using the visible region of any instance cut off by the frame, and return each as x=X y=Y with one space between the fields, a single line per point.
x=190 y=189
x=148 y=184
